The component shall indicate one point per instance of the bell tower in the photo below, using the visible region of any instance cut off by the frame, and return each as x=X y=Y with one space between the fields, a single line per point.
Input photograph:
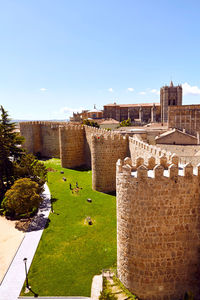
x=169 y=95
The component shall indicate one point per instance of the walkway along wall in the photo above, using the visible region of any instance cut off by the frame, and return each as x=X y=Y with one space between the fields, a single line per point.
x=158 y=230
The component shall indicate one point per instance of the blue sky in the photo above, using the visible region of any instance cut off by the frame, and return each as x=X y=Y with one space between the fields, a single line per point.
x=60 y=56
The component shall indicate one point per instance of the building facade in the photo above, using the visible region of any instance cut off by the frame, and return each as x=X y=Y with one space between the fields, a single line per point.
x=169 y=96
x=144 y=113
x=185 y=117
x=147 y=112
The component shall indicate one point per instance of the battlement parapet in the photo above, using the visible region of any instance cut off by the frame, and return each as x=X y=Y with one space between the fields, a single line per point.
x=96 y=138
x=142 y=171
x=71 y=127
x=139 y=148
x=96 y=130
x=158 y=229
x=47 y=123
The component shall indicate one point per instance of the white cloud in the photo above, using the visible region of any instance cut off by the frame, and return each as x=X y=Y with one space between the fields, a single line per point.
x=190 y=90
x=130 y=89
x=43 y=89
x=65 y=112
x=69 y=110
x=142 y=93
x=154 y=91
x=111 y=90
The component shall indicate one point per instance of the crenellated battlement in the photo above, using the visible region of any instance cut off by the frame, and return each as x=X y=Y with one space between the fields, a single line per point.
x=139 y=148
x=46 y=123
x=95 y=130
x=109 y=138
x=158 y=228
x=173 y=171
x=71 y=127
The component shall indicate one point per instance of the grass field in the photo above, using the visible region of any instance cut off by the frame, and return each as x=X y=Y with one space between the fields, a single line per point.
x=71 y=252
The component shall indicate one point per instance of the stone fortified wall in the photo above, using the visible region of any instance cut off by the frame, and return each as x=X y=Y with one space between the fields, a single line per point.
x=158 y=230
x=89 y=132
x=72 y=146
x=78 y=146
x=41 y=137
x=106 y=149
x=141 y=149
x=96 y=148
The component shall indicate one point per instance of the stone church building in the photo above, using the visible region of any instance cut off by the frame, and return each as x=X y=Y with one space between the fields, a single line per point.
x=147 y=112
x=169 y=111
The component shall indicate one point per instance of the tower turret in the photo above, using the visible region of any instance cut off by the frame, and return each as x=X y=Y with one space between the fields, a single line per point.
x=169 y=95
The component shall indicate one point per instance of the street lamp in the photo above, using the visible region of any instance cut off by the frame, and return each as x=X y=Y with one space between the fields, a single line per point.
x=27 y=285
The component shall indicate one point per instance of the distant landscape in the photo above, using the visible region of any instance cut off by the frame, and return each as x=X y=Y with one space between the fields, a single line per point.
x=18 y=121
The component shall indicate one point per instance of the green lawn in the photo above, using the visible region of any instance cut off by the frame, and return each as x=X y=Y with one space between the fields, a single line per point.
x=71 y=252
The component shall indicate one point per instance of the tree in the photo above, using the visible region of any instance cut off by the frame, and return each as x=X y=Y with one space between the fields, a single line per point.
x=10 y=150
x=30 y=167
x=22 y=198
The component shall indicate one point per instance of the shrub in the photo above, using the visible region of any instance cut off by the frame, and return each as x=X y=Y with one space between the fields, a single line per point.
x=22 y=198
x=90 y=123
x=30 y=167
x=125 y=123
x=107 y=295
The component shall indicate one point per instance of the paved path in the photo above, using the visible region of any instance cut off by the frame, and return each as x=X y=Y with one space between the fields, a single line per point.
x=13 y=281
x=97 y=286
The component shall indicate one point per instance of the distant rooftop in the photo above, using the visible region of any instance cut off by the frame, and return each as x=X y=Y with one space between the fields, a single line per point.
x=133 y=105
x=109 y=121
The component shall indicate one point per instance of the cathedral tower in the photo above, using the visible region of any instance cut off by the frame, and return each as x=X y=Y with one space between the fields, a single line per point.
x=169 y=95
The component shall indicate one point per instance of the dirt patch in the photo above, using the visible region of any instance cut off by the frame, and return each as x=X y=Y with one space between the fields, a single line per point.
x=76 y=190
x=23 y=225
x=51 y=170
x=10 y=240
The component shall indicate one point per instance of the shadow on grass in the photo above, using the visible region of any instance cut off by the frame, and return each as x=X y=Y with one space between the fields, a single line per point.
x=53 y=200
x=82 y=168
x=38 y=155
